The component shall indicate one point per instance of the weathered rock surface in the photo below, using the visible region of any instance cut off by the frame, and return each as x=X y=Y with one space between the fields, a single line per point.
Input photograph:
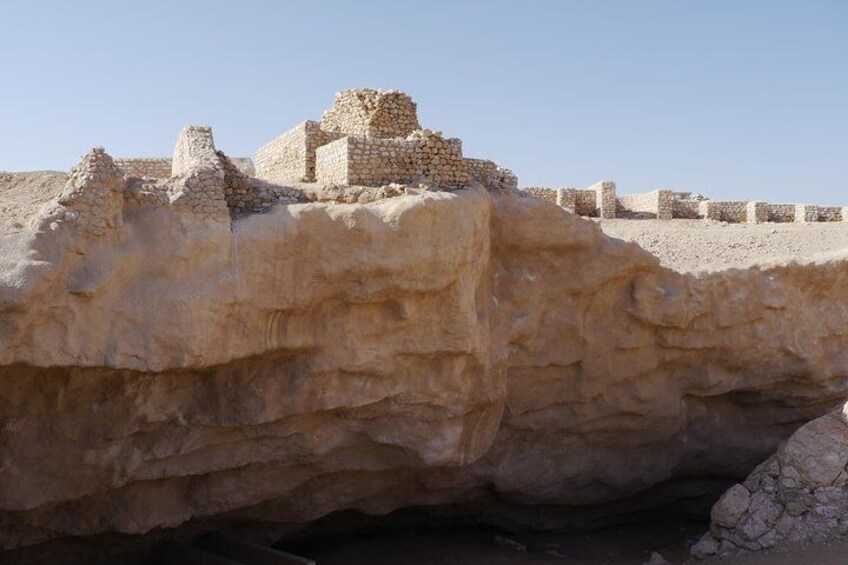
x=800 y=494
x=424 y=349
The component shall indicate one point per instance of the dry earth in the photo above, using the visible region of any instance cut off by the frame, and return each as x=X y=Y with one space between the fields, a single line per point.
x=689 y=245
x=23 y=194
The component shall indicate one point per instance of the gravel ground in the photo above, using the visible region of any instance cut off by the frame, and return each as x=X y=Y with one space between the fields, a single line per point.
x=23 y=194
x=688 y=245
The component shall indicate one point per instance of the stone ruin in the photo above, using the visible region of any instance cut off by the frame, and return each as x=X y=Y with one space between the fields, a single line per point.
x=368 y=138
x=600 y=201
x=373 y=138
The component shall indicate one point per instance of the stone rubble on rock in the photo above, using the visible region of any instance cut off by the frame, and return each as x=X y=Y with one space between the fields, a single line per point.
x=800 y=494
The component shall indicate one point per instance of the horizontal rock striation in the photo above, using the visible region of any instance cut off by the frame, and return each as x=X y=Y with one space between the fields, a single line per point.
x=426 y=349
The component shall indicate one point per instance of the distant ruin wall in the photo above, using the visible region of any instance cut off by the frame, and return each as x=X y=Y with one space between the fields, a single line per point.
x=160 y=168
x=482 y=170
x=781 y=212
x=145 y=168
x=757 y=212
x=541 y=192
x=331 y=162
x=658 y=204
x=605 y=199
x=731 y=211
x=685 y=209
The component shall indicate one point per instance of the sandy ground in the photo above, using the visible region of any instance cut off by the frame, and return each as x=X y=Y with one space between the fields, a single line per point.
x=23 y=194
x=689 y=245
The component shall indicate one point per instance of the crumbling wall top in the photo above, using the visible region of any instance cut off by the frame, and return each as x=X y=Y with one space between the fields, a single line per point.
x=376 y=113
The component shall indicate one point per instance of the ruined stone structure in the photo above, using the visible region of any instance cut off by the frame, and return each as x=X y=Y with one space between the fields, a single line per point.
x=373 y=138
x=601 y=201
x=160 y=168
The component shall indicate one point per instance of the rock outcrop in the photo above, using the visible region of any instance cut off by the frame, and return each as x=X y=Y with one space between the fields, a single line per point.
x=800 y=494
x=432 y=348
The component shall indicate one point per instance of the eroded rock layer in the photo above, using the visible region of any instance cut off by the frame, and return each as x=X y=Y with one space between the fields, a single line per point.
x=419 y=350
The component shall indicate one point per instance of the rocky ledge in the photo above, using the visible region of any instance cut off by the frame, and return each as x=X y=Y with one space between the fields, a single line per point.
x=164 y=361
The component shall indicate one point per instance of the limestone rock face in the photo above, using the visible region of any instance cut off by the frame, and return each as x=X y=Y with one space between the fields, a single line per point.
x=426 y=349
x=800 y=494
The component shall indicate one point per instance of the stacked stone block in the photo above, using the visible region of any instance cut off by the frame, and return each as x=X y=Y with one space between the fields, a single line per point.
x=368 y=161
x=781 y=212
x=541 y=192
x=757 y=212
x=92 y=199
x=830 y=213
x=440 y=160
x=291 y=156
x=733 y=211
x=605 y=202
x=374 y=113
x=144 y=168
x=685 y=208
x=567 y=198
x=806 y=213
x=198 y=174
x=160 y=168
x=657 y=204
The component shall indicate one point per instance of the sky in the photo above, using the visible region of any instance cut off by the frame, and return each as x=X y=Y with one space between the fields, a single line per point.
x=732 y=99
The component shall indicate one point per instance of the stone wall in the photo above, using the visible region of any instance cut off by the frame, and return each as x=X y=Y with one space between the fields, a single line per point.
x=657 y=204
x=731 y=211
x=160 y=168
x=291 y=156
x=830 y=213
x=145 y=168
x=757 y=212
x=542 y=193
x=373 y=113
x=781 y=212
x=368 y=161
x=375 y=161
x=481 y=170
x=685 y=208
x=440 y=160
x=605 y=202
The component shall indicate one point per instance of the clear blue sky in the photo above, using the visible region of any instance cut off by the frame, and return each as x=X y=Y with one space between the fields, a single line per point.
x=735 y=99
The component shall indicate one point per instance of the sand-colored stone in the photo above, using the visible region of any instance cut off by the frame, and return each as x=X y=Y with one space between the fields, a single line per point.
x=424 y=349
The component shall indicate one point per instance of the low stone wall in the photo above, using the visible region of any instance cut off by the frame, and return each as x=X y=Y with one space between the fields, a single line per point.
x=331 y=162
x=440 y=160
x=160 y=168
x=541 y=192
x=144 y=168
x=291 y=156
x=482 y=170
x=686 y=209
x=830 y=213
x=781 y=212
x=368 y=161
x=729 y=211
x=657 y=204
x=605 y=201
x=756 y=212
